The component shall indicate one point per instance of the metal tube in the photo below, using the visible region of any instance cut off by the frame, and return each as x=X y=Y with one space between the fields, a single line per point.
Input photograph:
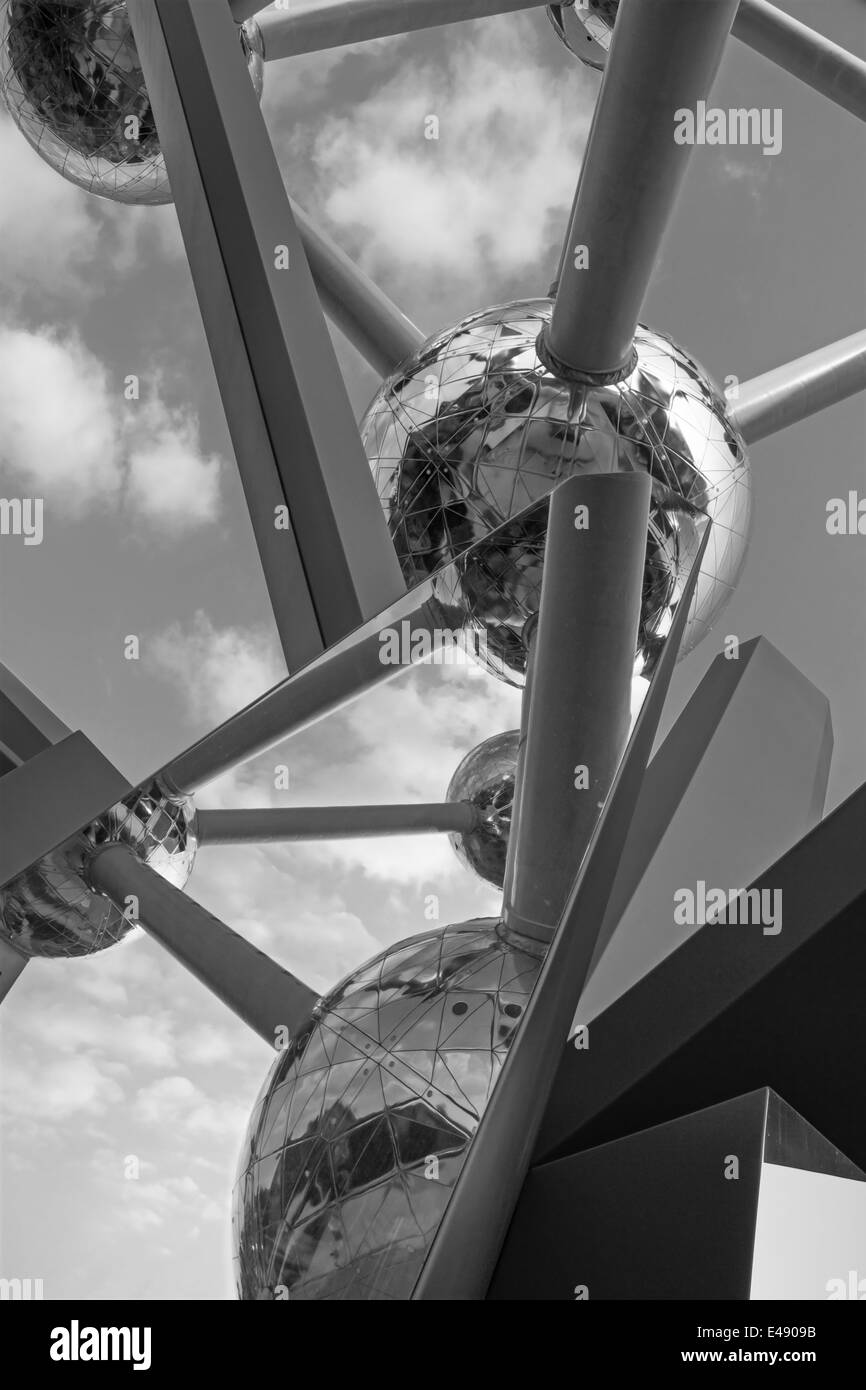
x=263 y=994
x=580 y=711
x=467 y=1244
x=245 y=9
x=308 y=26
x=782 y=397
x=530 y=635
x=663 y=59
x=275 y=826
x=823 y=65
x=349 y=668
x=325 y=685
x=327 y=558
x=370 y=320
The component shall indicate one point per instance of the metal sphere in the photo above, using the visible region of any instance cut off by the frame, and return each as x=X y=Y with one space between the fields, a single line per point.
x=586 y=30
x=50 y=909
x=364 y=1121
x=473 y=429
x=485 y=779
x=71 y=79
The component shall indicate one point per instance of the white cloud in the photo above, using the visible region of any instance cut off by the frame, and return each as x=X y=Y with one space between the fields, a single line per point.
x=46 y=229
x=56 y=1088
x=169 y=481
x=58 y=427
x=479 y=200
x=52 y=232
x=218 y=671
x=67 y=434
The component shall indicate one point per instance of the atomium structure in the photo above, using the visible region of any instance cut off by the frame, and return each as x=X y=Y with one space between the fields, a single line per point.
x=563 y=490
x=71 y=80
x=475 y=428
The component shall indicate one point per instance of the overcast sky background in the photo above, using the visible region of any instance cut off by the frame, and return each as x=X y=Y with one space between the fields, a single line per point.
x=146 y=532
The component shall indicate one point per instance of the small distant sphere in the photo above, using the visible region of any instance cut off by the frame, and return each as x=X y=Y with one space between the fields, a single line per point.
x=586 y=30
x=71 y=79
x=364 y=1121
x=485 y=779
x=473 y=430
x=50 y=909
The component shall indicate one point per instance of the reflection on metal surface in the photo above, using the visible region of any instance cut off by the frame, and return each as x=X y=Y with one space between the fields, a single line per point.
x=587 y=30
x=50 y=910
x=473 y=429
x=363 y=1123
x=71 y=79
x=485 y=779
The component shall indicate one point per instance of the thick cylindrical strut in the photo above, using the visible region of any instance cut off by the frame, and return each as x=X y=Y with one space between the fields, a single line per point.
x=663 y=58
x=278 y=825
x=580 y=707
x=784 y=396
x=263 y=994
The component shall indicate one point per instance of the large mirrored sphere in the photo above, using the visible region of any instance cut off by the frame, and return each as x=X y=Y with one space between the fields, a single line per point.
x=71 y=79
x=485 y=779
x=585 y=29
x=472 y=431
x=51 y=911
x=364 y=1121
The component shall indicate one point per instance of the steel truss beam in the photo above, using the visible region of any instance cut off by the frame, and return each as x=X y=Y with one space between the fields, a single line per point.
x=324 y=547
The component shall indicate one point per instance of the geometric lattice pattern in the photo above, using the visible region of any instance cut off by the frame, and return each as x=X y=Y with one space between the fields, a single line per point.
x=71 y=79
x=473 y=429
x=49 y=910
x=363 y=1124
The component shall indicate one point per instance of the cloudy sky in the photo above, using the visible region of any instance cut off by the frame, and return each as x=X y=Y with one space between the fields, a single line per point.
x=122 y=1056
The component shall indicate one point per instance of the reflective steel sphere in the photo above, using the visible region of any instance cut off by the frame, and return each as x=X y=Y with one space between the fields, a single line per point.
x=51 y=911
x=71 y=79
x=486 y=779
x=586 y=29
x=364 y=1120
x=473 y=429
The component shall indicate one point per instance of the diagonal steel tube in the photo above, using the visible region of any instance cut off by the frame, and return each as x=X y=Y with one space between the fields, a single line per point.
x=307 y=26
x=245 y=9
x=328 y=683
x=663 y=59
x=327 y=558
x=466 y=1246
x=782 y=397
x=369 y=319
x=264 y=995
x=816 y=60
x=278 y=825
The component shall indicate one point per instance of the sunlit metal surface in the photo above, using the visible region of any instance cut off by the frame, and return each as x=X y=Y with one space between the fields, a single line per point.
x=485 y=779
x=50 y=911
x=474 y=428
x=586 y=31
x=363 y=1123
x=71 y=79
